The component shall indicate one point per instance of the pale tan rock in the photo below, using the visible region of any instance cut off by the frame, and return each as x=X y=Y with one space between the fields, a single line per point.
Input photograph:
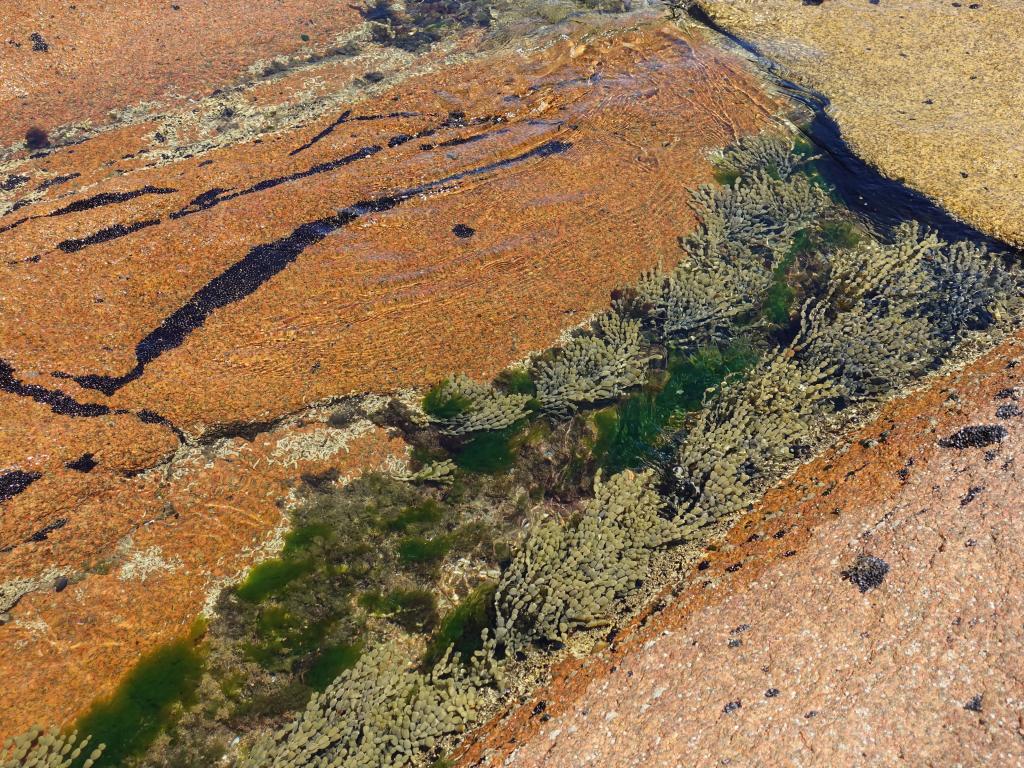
x=929 y=92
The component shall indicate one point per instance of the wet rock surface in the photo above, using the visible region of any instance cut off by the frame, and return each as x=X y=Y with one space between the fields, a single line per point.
x=179 y=287
x=929 y=92
x=915 y=664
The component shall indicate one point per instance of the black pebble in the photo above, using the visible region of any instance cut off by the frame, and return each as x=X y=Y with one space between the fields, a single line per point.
x=61 y=584
x=732 y=706
x=974 y=705
x=771 y=693
x=463 y=230
x=38 y=43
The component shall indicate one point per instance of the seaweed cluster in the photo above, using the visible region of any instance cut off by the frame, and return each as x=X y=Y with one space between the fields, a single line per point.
x=47 y=749
x=569 y=577
x=459 y=405
x=594 y=367
x=382 y=712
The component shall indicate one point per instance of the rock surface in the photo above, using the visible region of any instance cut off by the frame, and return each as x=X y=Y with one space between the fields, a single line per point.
x=866 y=612
x=176 y=284
x=929 y=92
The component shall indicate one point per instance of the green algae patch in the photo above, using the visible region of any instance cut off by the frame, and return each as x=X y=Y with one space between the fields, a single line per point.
x=441 y=402
x=489 y=452
x=270 y=577
x=462 y=628
x=516 y=381
x=330 y=663
x=149 y=700
x=414 y=610
x=630 y=433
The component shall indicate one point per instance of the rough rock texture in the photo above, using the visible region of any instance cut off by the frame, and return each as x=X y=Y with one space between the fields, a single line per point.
x=79 y=62
x=929 y=92
x=865 y=613
x=142 y=554
x=204 y=268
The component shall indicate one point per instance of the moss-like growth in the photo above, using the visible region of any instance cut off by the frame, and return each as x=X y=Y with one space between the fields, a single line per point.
x=566 y=578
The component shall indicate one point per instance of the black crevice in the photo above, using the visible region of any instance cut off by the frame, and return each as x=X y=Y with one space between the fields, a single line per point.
x=103 y=235
x=109 y=198
x=217 y=195
x=344 y=118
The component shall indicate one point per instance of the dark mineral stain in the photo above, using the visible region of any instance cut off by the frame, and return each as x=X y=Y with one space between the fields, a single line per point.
x=867 y=572
x=975 y=436
x=264 y=261
x=84 y=463
x=14 y=482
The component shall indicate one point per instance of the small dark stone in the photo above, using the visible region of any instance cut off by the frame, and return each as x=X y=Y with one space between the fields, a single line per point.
x=463 y=230
x=1008 y=411
x=779 y=533
x=36 y=138
x=771 y=693
x=38 y=43
x=812 y=713
x=867 y=572
x=734 y=567
x=789 y=553
x=974 y=705
x=703 y=565
x=61 y=584
x=974 y=436
x=732 y=706
x=735 y=643
x=373 y=77
x=739 y=630
x=540 y=707
x=1010 y=393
